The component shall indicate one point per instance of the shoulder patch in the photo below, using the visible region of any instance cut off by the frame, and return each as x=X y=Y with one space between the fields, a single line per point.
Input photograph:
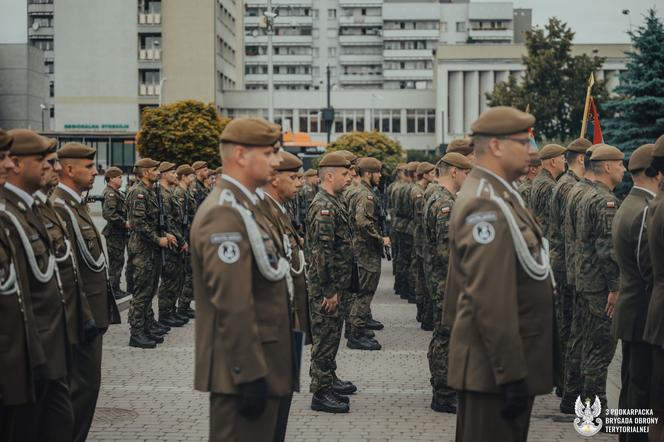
x=611 y=204
x=445 y=209
x=110 y=194
x=483 y=232
x=325 y=212
x=475 y=218
x=140 y=196
x=228 y=252
x=369 y=197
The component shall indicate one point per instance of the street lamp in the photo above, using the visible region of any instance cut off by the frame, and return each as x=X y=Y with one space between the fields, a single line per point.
x=374 y=96
x=161 y=85
x=43 y=108
x=267 y=24
x=627 y=12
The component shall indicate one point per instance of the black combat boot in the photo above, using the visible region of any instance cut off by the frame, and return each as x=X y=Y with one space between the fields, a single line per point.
x=156 y=338
x=340 y=397
x=325 y=401
x=141 y=341
x=360 y=342
x=157 y=329
x=170 y=321
x=426 y=326
x=187 y=311
x=442 y=406
x=372 y=324
x=181 y=317
x=418 y=315
x=368 y=333
x=567 y=405
x=343 y=387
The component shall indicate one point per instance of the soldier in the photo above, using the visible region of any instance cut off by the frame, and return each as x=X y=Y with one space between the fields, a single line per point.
x=499 y=293
x=630 y=243
x=599 y=276
x=462 y=146
x=425 y=174
x=306 y=195
x=329 y=255
x=365 y=215
x=526 y=181
x=564 y=296
x=145 y=245
x=244 y=351
x=129 y=272
x=50 y=415
x=553 y=165
x=397 y=181
x=452 y=171
x=181 y=193
x=116 y=230
x=198 y=188
x=654 y=330
x=404 y=229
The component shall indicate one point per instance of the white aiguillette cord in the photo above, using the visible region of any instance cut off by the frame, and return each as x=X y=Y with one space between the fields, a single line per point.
x=96 y=265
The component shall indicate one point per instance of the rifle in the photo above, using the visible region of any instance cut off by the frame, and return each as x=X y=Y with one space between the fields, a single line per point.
x=162 y=226
x=185 y=217
x=384 y=227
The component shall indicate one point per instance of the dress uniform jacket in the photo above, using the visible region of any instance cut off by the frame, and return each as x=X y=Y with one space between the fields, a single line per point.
x=654 y=327
x=502 y=319
x=243 y=329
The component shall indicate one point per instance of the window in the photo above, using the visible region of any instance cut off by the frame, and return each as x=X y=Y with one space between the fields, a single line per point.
x=420 y=121
x=443 y=26
x=49 y=67
x=461 y=26
x=332 y=51
x=332 y=13
x=313 y=121
x=51 y=89
x=364 y=11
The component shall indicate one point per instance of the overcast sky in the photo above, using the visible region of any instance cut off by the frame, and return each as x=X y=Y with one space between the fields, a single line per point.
x=594 y=21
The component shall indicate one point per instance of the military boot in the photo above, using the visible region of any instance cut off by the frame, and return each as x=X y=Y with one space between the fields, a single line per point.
x=156 y=338
x=567 y=405
x=141 y=341
x=181 y=317
x=426 y=326
x=343 y=387
x=340 y=397
x=187 y=311
x=372 y=324
x=368 y=333
x=418 y=315
x=170 y=321
x=443 y=406
x=156 y=328
x=325 y=401
x=360 y=342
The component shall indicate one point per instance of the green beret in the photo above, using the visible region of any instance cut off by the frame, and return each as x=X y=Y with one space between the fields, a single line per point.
x=5 y=141
x=28 y=142
x=311 y=172
x=288 y=163
x=604 y=152
x=641 y=158
x=76 y=151
x=551 y=151
x=334 y=159
x=424 y=167
x=580 y=145
x=456 y=159
x=113 y=172
x=369 y=164
x=165 y=166
x=184 y=169
x=502 y=120
x=659 y=147
x=199 y=165
x=251 y=132
x=146 y=163
x=460 y=145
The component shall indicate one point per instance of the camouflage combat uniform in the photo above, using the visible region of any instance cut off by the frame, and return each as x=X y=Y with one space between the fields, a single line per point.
x=391 y=191
x=525 y=189
x=348 y=304
x=129 y=272
x=404 y=230
x=329 y=255
x=417 y=262
x=184 y=201
x=115 y=232
x=540 y=199
x=172 y=278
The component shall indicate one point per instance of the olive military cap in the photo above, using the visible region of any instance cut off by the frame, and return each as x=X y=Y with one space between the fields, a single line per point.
x=659 y=147
x=165 y=166
x=369 y=164
x=502 y=120
x=5 y=140
x=350 y=156
x=289 y=162
x=456 y=159
x=641 y=158
x=460 y=145
x=251 y=132
x=424 y=167
x=199 y=165
x=113 y=172
x=219 y=170
x=184 y=169
x=334 y=159
x=311 y=172
x=534 y=160
x=580 y=145
x=76 y=151
x=412 y=166
x=28 y=142
x=551 y=151
x=146 y=163
x=604 y=152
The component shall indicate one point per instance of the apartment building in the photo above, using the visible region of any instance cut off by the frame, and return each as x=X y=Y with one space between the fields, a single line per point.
x=368 y=44
x=41 y=35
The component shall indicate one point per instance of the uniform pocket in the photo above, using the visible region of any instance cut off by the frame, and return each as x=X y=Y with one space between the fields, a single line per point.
x=268 y=333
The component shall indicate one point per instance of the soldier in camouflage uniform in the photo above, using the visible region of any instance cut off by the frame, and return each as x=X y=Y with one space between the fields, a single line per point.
x=398 y=180
x=553 y=165
x=599 y=274
x=307 y=192
x=145 y=246
x=198 y=188
x=451 y=170
x=129 y=272
x=116 y=229
x=172 y=277
x=404 y=228
x=564 y=295
x=365 y=216
x=425 y=174
x=182 y=195
x=526 y=185
x=328 y=251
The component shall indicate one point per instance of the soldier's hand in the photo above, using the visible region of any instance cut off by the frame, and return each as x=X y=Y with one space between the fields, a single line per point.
x=611 y=304
x=172 y=240
x=330 y=304
x=387 y=242
x=253 y=396
x=90 y=331
x=127 y=226
x=184 y=248
x=164 y=242
x=516 y=399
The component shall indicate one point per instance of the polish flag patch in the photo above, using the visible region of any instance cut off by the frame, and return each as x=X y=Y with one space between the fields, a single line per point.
x=140 y=196
x=325 y=212
x=445 y=210
x=611 y=204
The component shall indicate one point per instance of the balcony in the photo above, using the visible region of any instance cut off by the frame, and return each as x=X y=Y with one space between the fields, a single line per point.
x=149 y=18
x=42 y=31
x=279 y=59
x=408 y=74
x=284 y=40
x=360 y=40
x=411 y=34
x=149 y=54
x=148 y=90
x=369 y=59
x=38 y=8
x=278 y=79
x=407 y=54
x=361 y=78
x=277 y=3
x=488 y=34
x=296 y=20
x=361 y=20
x=361 y=3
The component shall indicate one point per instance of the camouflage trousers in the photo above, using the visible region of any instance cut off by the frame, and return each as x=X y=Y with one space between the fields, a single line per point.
x=360 y=307
x=172 y=282
x=438 y=356
x=564 y=305
x=402 y=279
x=116 y=245
x=325 y=336
x=129 y=271
x=422 y=293
x=187 y=292
x=147 y=265
x=573 y=383
x=395 y=251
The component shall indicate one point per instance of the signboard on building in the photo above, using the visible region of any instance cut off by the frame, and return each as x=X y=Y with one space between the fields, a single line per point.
x=88 y=126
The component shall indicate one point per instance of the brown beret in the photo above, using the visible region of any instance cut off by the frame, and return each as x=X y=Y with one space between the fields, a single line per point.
x=289 y=162
x=460 y=145
x=350 y=156
x=401 y=166
x=184 y=169
x=199 y=165
x=146 y=163
x=424 y=167
x=369 y=164
x=535 y=160
x=251 y=132
x=591 y=149
x=219 y=170
x=113 y=172
x=311 y=172
x=604 y=152
x=659 y=147
x=28 y=142
x=5 y=140
x=580 y=145
x=502 y=120
x=641 y=158
x=334 y=159
x=456 y=159
x=412 y=166
x=76 y=151
x=551 y=151
x=165 y=166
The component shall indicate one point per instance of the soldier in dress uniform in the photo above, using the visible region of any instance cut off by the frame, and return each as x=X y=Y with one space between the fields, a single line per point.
x=553 y=165
x=49 y=417
x=186 y=176
x=116 y=230
x=244 y=347
x=499 y=291
x=630 y=244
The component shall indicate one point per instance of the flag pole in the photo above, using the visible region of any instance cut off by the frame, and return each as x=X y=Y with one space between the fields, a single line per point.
x=584 y=122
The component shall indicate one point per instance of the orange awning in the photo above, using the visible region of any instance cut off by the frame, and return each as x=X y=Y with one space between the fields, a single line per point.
x=301 y=139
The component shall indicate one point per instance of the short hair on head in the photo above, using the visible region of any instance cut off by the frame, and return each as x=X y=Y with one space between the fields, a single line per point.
x=480 y=143
x=325 y=170
x=586 y=160
x=571 y=156
x=442 y=168
x=597 y=166
x=224 y=149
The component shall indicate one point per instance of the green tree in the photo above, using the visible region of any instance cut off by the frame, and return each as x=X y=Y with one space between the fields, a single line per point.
x=371 y=144
x=181 y=132
x=638 y=110
x=554 y=84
